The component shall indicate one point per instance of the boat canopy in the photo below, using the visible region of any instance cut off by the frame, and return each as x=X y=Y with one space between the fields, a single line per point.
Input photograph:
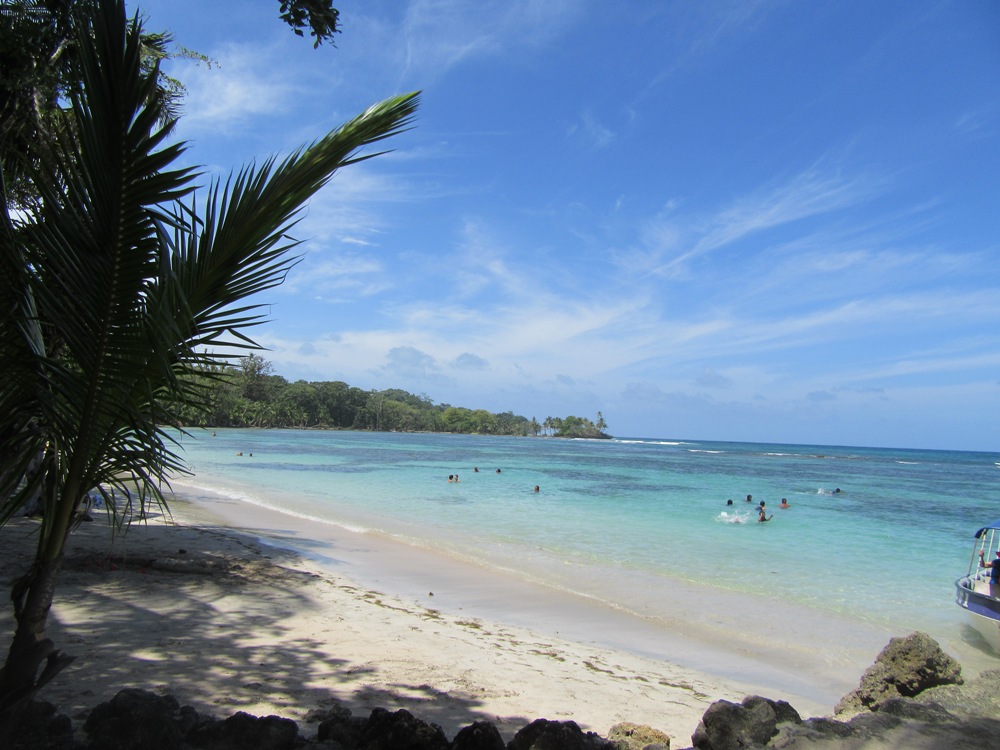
x=994 y=525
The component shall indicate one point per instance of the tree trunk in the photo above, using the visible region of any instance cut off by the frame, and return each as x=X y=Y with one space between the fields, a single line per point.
x=32 y=596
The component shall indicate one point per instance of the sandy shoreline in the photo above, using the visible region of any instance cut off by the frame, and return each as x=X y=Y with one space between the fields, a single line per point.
x=260 y=628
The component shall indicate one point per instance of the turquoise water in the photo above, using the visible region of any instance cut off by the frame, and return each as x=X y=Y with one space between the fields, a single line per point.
x=620 y=520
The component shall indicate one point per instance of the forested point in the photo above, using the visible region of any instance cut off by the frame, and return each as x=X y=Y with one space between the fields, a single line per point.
x=251 y=395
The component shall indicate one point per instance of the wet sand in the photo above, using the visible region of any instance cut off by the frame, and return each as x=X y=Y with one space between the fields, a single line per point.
x=232 y=607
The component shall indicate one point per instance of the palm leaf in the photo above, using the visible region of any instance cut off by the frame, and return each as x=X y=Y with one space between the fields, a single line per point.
x=126 y=285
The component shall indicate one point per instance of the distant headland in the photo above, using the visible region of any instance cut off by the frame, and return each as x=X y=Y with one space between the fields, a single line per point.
x=250 y=394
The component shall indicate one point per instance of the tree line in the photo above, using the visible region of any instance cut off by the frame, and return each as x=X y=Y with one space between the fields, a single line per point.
x=250 y=394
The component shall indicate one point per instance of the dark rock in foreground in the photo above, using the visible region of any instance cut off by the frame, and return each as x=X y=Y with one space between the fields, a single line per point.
x=912 y=697
x=542 y=734
x=752 y=723
x=905 y=668
x=482 y=735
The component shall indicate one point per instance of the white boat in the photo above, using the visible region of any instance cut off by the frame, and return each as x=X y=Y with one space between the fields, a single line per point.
x=975 y=594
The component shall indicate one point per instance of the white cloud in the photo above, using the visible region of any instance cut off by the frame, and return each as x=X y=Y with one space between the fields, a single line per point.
x=593 y=133
x=709 y=378
x=808 y=194
x=467 y=361
x=440 y=34
x=247 y=84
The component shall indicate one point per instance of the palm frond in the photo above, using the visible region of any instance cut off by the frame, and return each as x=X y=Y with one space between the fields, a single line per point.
x=123 y=280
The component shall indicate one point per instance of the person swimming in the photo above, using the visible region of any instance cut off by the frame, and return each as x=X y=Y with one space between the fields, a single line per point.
x=763 y=517
x=784 y=504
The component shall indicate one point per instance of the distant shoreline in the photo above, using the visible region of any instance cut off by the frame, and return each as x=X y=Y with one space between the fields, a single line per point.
x=318 y=428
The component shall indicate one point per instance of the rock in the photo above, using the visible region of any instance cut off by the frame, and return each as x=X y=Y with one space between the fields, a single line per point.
x=35 y=724
x=920 y=727
x=341 y=728
x=243 y=731
x=542 y=734
x=783 y=710
x=752 y=723
x=829 y=733
x=951 y=715
x=906 y=708
x=481 y=735
x=904 y=668
x=332 y=712
x=629 y=736
x=979 y=696
x=400 y=731
x=135 y=718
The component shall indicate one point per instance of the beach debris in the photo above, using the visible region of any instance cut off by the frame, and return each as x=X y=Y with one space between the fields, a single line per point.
x=629 y=736
x=168 y=564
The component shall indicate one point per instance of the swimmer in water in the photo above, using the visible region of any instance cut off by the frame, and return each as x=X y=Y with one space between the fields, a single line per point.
x=763 y=517
x=784 y=504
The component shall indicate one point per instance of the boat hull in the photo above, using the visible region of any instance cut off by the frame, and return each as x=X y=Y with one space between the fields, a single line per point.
x=982 y=609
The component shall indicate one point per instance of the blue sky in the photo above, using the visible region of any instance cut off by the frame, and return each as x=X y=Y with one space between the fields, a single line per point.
x=762 y=221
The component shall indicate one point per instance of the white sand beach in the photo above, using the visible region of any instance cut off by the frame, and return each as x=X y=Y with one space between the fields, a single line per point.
x=227 y=623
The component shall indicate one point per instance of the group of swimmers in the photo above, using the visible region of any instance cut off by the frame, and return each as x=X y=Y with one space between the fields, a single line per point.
x=762 y=508
x=452 y=478
x=475 y=470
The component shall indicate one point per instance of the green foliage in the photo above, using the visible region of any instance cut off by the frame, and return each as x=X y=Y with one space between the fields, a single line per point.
x=248 y=394
x=39 y=70
x=576 y=427
x=319 y=15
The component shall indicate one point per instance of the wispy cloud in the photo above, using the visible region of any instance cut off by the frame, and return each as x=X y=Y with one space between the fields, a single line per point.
x=591 y=132
x=440 y=34
x=244 y=85
x=702 y=28
x=341 y=277
x=967 y=356
x=811 y=193
x=979 y=123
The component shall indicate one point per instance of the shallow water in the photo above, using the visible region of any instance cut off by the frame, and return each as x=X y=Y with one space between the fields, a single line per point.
x=642 y=525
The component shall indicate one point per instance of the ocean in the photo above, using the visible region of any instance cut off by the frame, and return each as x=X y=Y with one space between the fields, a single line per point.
x=869 y=547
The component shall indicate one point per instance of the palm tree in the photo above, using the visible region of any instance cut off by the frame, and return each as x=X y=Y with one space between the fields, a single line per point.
x=114 y=287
